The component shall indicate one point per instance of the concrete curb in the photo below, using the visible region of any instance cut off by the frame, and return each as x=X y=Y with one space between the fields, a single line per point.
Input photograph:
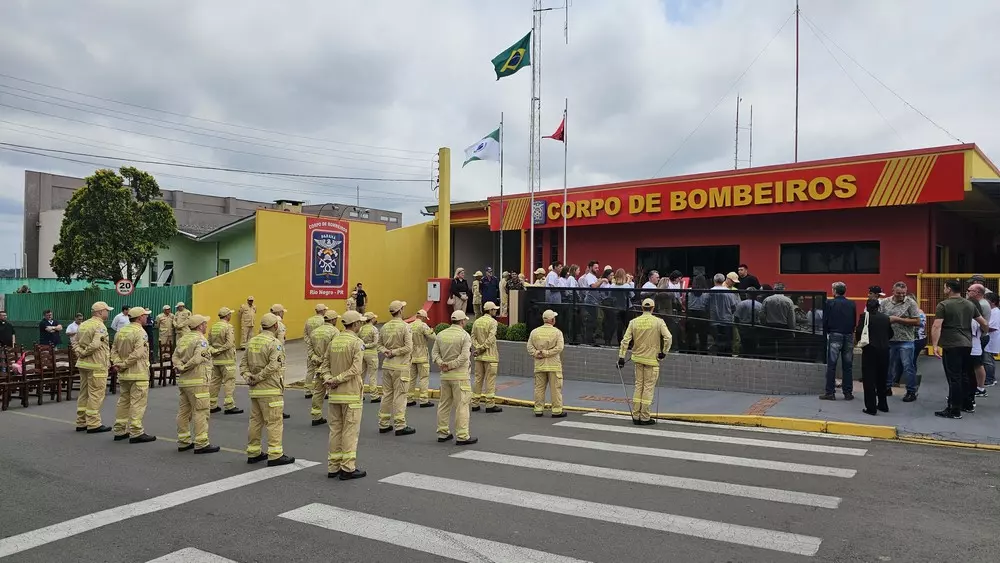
x=919 y=439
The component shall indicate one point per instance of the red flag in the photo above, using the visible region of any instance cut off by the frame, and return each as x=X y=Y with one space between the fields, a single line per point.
x=560 y=134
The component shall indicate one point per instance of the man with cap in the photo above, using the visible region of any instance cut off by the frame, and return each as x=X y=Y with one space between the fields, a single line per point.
x=451 y=354
x=91 y=349
x=222 y=345
x=311 y=323
x=180 y=320
x=263 y=367
x=396 y=346
x=477 y=294
x=341 y=372
x=130 y=355
x=545 y=345
x=369 y=337
x=247 y=315
x=420 y=368
x=490 y=287
x=165 y=328
x=193 y=360
x=484 y=344
x=320 y=338
x=650 y=339
x=278 y=310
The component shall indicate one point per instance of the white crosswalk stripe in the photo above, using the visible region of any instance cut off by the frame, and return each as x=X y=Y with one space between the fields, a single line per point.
x=419 y=538
x=690 y=456
x=191 y=555
x=684 y=525
x=758 y=429
x=816 y=448
x=762 y=493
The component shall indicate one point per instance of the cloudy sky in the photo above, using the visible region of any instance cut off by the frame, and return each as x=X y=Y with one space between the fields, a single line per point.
x=372 y=89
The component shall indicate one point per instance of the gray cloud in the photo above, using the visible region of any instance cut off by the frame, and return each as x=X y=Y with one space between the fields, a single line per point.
x=640 y=76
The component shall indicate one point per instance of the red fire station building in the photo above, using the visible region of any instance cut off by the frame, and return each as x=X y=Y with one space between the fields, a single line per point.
x=863 y=220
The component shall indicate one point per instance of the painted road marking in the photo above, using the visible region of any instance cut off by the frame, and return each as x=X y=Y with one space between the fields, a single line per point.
x=660 y=521
x=691 y=456
x=420 y=538
x=191 y=555
x=759 y=429
x=86 y=523
x=797 y=446
x=701 y=485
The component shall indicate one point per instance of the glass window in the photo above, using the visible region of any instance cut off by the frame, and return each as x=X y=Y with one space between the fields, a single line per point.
x=393 y=219
x=830 y=258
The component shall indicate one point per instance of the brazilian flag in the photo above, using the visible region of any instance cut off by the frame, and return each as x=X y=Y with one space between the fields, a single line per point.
x=513 y=58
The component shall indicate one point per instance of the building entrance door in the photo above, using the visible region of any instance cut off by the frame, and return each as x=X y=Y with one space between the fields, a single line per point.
x=689 y=260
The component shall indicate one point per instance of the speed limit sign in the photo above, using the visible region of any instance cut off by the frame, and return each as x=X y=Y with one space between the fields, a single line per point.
x=124 y=287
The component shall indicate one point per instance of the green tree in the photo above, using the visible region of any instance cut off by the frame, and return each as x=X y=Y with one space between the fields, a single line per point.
x=112 y=227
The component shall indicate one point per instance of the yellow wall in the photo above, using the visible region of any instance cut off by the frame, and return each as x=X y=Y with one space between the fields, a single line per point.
x=391 y=265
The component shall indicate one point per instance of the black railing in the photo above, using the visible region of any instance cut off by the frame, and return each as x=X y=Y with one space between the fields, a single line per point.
x=724 y=322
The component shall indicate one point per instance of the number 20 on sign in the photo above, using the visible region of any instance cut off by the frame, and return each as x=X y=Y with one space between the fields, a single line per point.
x=124 y=287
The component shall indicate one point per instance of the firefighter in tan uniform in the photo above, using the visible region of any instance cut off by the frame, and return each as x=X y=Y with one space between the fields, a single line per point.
x=247 y=315
x=262 y=368
x=181 y=320
x=369 y=337
x=650 y=340
x=130 y=356
x=91 y=349
x=165 y=328
x=420 y=368
x=545 y=345
x=311 y=323
x=396 y=346
x=222 y=345
x=193 y=360
x=342 y=372
x=279 y=311
x=503 y=294
x=452 y=351
x=484 y=344
x=321 y=337
x=352 y=301
x=477 y=294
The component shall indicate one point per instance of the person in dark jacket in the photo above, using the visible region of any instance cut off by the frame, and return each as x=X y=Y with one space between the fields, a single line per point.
x=839 y=326
x=875 y=356
x=490 y=287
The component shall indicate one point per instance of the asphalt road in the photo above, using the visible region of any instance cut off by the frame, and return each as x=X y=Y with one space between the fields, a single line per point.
x=583 y=488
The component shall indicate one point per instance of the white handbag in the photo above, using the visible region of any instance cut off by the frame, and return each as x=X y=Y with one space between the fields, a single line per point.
x=864 y=333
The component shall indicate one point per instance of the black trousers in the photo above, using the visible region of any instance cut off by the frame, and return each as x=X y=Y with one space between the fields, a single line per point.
x=958 y=369
x=874 y=373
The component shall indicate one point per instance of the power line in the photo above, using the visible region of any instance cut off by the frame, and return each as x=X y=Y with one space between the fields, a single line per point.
x=883 y=84
x=851 y=78
x=395 y=197
x=196 y=144
x=206 y=120
x=723 y=97
x=126 y=150
x=241 y=139
x=12 y=146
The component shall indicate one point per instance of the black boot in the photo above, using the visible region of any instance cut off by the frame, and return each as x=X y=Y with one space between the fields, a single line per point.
x=356 y=474
x=385 y=430
x=120 y=437
x=560 y=415
x=81 y=428
x=410 y=403
x=209 y=449
x=285 y=416
x=99 y=430
x=427 y=404
x=376 y=400
x=494 y=409
x=142 y=439
x=185 y=448
x=214 y=410
x=475 y=408
x=467 y=442
x=446 y=438
x=406 y=431
x=256 y=459
x=319 y=422
x=309 y=395
x=233 y=410
x=283 y=460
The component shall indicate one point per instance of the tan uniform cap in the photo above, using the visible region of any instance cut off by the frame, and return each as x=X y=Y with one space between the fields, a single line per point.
x=648 y=303
x=278 y=308
x=136 y=312
x=250 y=298
x=330 y=315
x=321 y=307
x=371 y=316
x=395 y=306
x=490 y=306
x=539 y=272
x=180 y=304
x=100 y=306
x=549 y=314
x=166 y=307
x=225 y=312
x=268 y=320
x=351 y=317
x=196 y=321
x=459 y=316
x=422 y=314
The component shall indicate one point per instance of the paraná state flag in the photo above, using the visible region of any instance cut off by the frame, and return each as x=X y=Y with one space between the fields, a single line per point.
x=560 y=134
x=487 y=148
x=513 y=58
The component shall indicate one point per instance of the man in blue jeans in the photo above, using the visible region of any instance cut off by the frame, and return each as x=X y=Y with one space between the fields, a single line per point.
x=905 y=318
x=839 y=318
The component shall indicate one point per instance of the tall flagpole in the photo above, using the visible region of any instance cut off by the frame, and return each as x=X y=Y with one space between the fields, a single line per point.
x=500 y=219
x=796 y=80
x=565 y=189
x=534 y=160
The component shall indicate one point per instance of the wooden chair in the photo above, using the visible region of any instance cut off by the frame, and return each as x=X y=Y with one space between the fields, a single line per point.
x=11 y=385
x=65 y=372
x=48 y=378
x=163 y=371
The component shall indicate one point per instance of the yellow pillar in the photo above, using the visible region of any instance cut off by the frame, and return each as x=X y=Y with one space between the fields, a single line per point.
x=444 y=213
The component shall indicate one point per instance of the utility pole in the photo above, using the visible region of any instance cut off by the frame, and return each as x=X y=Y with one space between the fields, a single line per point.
x=736 y=155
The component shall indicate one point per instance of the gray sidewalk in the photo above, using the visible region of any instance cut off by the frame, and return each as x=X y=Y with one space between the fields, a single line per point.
x=915 y=418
